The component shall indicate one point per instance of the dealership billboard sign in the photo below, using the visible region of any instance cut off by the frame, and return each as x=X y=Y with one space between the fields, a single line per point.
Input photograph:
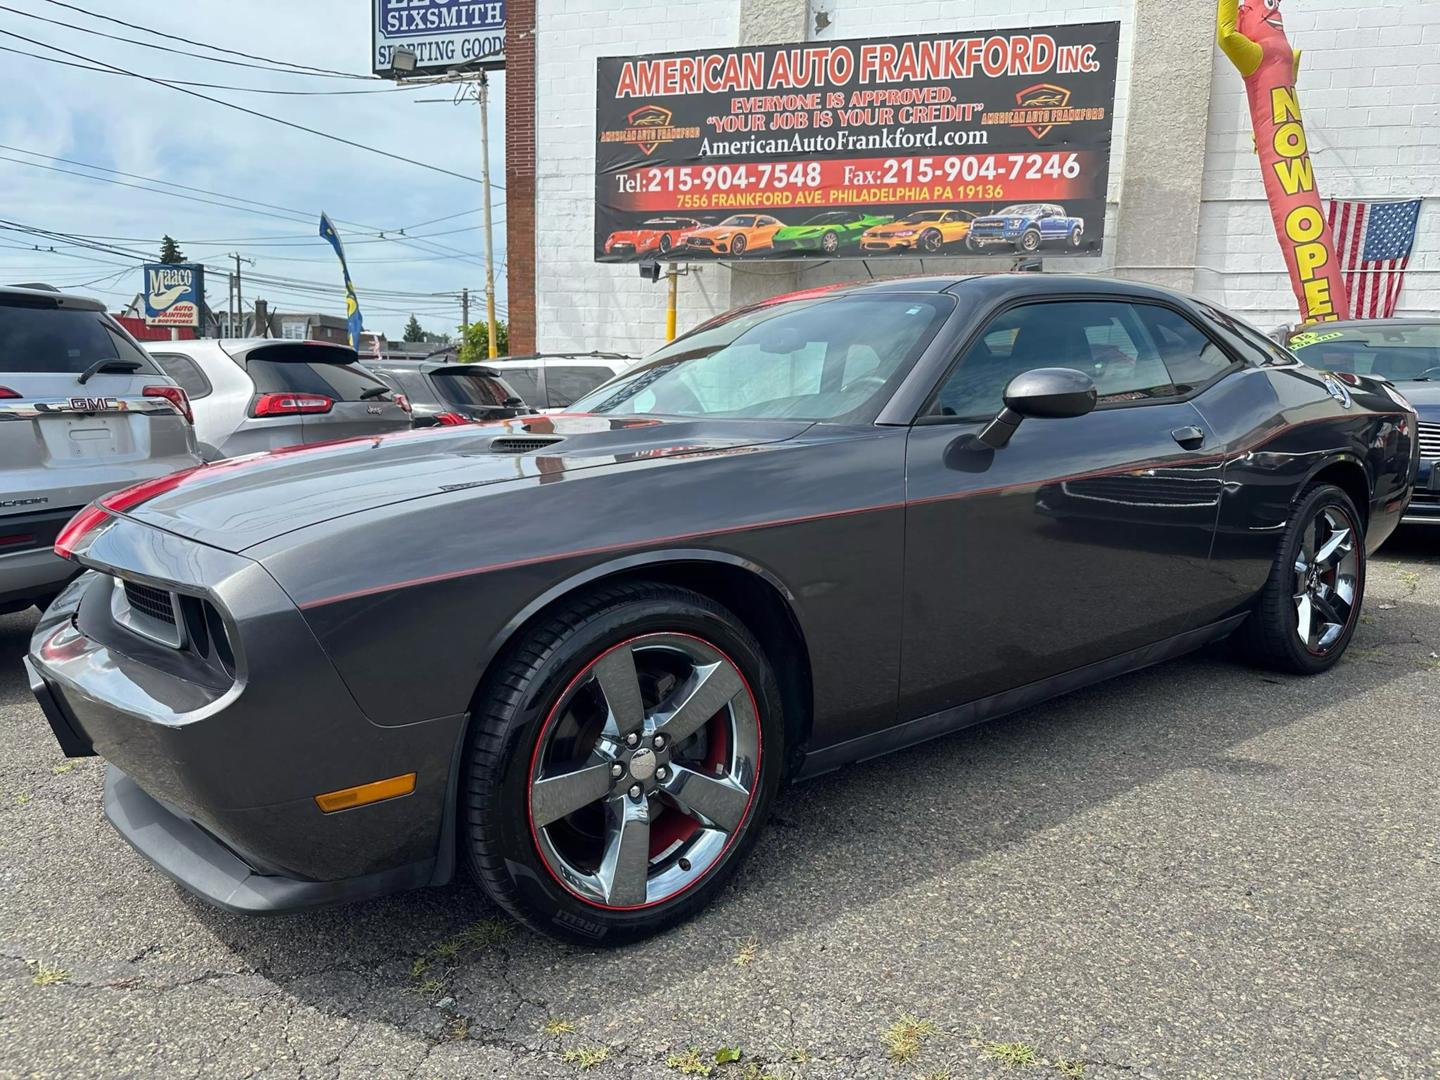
x=444 y=35
x=174 y=293
x=990 y=142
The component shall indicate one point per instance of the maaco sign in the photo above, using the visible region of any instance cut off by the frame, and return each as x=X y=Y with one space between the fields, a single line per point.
x=173 y=294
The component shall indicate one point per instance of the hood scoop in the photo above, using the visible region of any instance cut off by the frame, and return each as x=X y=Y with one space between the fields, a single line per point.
x=523 y=444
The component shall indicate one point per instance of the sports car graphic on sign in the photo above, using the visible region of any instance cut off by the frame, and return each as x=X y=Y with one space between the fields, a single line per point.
x=661 y=234
x=828 y=232
x=736 y=235
x=924 y=231
x=1027 y=226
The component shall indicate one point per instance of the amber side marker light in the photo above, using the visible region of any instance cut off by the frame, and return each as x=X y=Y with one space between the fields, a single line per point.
x=364 y=794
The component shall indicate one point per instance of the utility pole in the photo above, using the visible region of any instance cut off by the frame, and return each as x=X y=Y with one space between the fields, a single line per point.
x=239 y=299
x=464 y=313
x=483 y=94
x=231 y=306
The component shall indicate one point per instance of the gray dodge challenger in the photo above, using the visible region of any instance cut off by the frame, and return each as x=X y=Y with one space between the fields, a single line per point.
x=581 y=653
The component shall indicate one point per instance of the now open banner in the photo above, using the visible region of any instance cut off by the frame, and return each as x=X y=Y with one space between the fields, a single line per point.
x=989 y=142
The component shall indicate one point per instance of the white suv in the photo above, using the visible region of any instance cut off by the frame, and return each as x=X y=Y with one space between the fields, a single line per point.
x=83 y=411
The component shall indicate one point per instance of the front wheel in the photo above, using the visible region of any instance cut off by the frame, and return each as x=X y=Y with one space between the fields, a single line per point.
x=621 y=762
x=1030 y=241
x=737 y=246
x=1307 y=612
x=931 y=241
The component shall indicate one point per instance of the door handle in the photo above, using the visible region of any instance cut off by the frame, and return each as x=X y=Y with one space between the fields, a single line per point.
x=1191 y=438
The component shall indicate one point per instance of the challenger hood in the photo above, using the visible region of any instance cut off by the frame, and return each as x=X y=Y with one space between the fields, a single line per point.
x=241 y=502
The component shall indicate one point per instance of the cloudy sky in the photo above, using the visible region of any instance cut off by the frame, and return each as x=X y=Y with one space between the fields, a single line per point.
x=209 y=152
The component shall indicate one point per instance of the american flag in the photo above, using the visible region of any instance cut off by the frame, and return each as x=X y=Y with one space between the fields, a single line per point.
x=1374 y=241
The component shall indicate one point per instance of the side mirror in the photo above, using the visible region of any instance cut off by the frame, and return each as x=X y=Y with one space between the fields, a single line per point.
x=1042 y=394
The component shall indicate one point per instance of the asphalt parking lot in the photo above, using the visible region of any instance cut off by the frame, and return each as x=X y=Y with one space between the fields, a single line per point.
x=1196 y=871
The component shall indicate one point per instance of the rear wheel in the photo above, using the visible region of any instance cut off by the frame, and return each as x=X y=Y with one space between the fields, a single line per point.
x=621 y=762
x=830 y=243
x=1308 y=610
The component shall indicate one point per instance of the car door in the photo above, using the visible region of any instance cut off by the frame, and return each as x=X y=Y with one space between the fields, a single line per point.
x=1084 y=538
x=1053 y=224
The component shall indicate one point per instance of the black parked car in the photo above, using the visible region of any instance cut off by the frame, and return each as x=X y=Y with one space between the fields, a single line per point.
x=580 y=653
x=1407 y=353
x=443 y=393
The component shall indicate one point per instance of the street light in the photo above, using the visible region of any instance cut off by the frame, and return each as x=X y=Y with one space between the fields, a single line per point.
x=403 y=61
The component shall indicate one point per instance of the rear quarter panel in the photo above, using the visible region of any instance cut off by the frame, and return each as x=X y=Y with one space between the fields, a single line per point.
x=412 y=623
x=1280 y=427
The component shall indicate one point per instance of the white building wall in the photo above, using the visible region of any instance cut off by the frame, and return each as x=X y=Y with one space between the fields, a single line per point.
x=1370 y=90
x=1370 y=94
x=581 y=304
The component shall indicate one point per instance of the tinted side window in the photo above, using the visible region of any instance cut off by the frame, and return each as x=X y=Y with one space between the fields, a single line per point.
x=185 y=372
x=1105 y=339
x=470 y=388
x=38 y=338
x=1189 y=354
x=567 y=384
x=526 y=384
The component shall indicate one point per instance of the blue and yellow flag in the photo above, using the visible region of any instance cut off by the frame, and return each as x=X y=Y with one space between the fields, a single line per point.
x=352 y=305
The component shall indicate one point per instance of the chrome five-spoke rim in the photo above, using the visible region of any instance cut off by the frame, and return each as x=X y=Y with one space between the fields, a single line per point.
x=1327 y=576
x=644 y=771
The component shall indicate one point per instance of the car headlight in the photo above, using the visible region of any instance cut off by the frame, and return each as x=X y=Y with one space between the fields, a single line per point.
x=1015 y=223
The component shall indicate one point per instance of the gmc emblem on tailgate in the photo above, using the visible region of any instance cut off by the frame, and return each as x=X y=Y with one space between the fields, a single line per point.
x=94 y=404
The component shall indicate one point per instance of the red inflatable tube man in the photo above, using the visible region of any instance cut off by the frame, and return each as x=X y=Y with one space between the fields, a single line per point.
x=1254 y=39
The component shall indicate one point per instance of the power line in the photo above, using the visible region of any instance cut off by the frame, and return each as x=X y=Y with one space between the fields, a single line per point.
x=331 y=72
x=208 y=85
x=305 y=216
x=252 y=112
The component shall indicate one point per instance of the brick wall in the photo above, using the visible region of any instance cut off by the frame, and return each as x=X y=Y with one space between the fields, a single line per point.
x=520 y=173
x=1370 y=94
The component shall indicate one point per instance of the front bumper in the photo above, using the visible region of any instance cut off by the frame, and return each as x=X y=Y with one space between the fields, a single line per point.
x=196 y=859
x=234 y=765
x=1424 y=506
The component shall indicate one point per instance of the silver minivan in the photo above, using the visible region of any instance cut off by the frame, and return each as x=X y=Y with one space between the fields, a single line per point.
x=258 y=394
x=83 y=411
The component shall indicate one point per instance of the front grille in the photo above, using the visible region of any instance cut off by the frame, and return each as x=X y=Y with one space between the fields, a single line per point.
x=150 y=602
x=1430 y=441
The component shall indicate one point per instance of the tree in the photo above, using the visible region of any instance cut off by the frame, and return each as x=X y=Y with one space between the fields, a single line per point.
x=170 y=251
x=413 y=331
x=475 y=340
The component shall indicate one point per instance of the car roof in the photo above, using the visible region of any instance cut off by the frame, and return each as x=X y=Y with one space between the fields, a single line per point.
x=427 y=367
x=1361 y=324
x=48 y=296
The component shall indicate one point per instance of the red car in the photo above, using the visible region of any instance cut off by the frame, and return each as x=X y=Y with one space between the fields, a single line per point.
x=656 y=234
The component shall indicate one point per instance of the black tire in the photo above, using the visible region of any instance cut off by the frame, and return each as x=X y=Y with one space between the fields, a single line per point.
x=971 y=245
x=738 y=245
x=510 y=721
x=830 y=243
x=1030 y=241
x=665 y=243
x=1077 y=237
x=931 y=240
x=1270 y=637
